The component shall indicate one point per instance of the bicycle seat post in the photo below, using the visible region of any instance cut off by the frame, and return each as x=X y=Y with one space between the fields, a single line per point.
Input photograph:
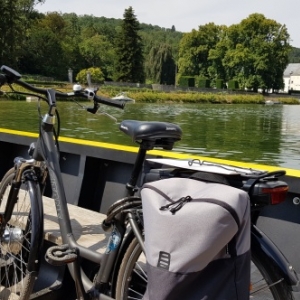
x=148 y=135
x=138 y=165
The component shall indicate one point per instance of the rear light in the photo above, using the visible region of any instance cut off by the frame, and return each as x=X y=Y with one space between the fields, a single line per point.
x=268 y=192
x=277 y=195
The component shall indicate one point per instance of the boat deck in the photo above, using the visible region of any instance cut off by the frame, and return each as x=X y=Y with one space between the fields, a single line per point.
x=86 y=225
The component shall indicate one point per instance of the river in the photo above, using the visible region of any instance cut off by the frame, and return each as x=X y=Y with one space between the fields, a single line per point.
x=264 y=134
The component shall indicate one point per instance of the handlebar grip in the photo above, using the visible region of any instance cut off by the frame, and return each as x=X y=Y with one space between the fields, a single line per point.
x=109 y=101
x=10 y=75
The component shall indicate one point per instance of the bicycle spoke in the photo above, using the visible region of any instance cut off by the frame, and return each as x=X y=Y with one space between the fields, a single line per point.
x=144 y=278
x=16 y=240
x=130 y=289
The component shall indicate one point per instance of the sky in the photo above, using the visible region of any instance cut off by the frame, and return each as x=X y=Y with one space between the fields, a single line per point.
x=186 y=15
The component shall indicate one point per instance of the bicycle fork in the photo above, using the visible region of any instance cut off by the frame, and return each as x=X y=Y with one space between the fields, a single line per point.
x=23 y=170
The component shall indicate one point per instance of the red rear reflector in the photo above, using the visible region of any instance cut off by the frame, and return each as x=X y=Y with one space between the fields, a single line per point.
x=277 y=194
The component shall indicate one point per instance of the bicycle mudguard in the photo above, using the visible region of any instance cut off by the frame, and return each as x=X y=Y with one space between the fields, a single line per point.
x=264 y=248
x=37 y=226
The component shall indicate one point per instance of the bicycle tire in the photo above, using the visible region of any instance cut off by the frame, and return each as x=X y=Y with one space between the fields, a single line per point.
x=22 y=239
x=278 y=288
x=127 y=283
x=132 y=278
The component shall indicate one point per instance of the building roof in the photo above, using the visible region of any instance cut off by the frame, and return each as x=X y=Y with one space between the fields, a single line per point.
x=292 y=69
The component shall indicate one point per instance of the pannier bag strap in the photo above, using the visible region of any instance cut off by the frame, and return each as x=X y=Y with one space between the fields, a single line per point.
x=177 y=204
x=158 y=191
x=183 y=201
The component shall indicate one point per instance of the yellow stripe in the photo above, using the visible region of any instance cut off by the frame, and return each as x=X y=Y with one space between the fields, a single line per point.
x=167 y=154
x=17 y=132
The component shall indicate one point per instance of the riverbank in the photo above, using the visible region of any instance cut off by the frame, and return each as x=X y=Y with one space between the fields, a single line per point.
x=206 y=98
x=143 y=95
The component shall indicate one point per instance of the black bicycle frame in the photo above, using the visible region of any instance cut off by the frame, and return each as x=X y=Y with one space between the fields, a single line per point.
x=46 y=142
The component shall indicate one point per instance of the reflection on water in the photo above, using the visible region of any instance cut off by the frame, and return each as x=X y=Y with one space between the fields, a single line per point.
x=251 y=133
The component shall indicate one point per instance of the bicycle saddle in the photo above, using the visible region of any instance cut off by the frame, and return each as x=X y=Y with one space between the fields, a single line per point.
x=157 y=134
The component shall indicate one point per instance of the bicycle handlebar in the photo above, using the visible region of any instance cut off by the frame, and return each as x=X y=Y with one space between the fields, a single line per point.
x=11 y=76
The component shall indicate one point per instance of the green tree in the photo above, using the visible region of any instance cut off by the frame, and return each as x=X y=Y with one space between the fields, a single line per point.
x=194 y=50
x=44 y=54
x=257 y=53
x=73 y=31
x=56 y=23
x=160 y=66
x=294 y=56
x=70 y=44
x=98 y=52
x=9 y=26
x=129 y=50
x=13 y=25
x=216 y=70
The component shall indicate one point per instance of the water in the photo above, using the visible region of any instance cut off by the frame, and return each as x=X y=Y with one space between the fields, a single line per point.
x=251 y=133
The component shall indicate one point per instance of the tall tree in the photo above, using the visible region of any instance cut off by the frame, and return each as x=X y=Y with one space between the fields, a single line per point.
x=14 y=21
x=216 y=55
x=98 y=52
x=194 y=50
x=160 y=66
x=56 y=23
x=129 y=50
x=44 y=54
x=71 y=42
x=257 y=52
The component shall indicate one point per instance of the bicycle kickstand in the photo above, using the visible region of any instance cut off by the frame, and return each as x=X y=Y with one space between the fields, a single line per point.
x=62 y=255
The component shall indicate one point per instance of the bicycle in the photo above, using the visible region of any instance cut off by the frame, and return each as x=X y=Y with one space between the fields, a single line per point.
x=117 y=277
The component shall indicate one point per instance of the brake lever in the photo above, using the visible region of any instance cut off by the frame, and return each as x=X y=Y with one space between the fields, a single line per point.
x=94 y=109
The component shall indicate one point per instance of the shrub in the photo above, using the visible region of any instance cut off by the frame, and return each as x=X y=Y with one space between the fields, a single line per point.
x=219 y=83
x=186 y=81
x=233 y=85
x=97 y=76
x=203 y=82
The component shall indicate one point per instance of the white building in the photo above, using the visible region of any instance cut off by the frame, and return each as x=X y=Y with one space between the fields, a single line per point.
x=291 y=77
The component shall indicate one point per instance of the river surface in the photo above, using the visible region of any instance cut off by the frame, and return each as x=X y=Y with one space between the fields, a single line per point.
x=264 y=134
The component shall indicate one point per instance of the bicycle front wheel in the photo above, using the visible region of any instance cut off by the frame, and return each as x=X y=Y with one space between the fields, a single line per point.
x=21 y=237
x=132 y=278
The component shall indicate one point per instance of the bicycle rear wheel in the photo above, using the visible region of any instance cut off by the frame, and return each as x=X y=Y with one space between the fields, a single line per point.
x=266 y=282
x=132 y=278
x=21 y=238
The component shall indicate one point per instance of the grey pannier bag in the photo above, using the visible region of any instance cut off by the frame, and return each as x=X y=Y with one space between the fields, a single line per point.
x=197 y=239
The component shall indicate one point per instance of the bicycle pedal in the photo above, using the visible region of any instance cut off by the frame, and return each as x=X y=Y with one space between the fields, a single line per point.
x=60 y=255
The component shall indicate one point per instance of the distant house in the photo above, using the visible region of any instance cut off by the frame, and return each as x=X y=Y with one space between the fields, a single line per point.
x=291 y=78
